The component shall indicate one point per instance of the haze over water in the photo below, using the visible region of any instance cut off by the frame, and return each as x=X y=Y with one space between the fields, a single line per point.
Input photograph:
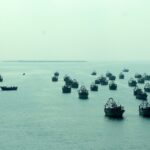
x=39 y=117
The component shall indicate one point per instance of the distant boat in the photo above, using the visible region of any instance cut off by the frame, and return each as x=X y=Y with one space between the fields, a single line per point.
x=113 y=86
x=121 y=76
x=108 y=74
x=54 y=78
x=112 y=77
x=9 y=88
x=112 y=109
x=147 y=87
x=94 y=73
x=140 y=94
x=125 y=70
x=146 y=77
x=66 y=89
x=132 y=82
x=94 y=87
x=75 y=84
x=23 y=74
x=1 y=78
x=83 y=93
x=144 y=109
x=137 y=75
x=141 y=80
x=56 y=74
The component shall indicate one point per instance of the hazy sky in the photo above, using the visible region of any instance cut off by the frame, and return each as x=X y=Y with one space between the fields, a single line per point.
x=75 y=29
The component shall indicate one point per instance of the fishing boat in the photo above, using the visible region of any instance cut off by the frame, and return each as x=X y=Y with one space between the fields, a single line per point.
x=54 y=78
x=94 y=87
x=147 y=87
x=66 y=89
x=1 y=78
x=83 y=93
x=94 y=73
x=68 y=80
x=125 y=70
x=121 y=76
x=108 y=74
x=75 y=84
x=141 y=95
x=144 y=109
x=9 y=88
x=146 y=76
x=141 y=80
x=98 y=81
x=137 y=75
x=112 y=109
x=103 y=80
x=132 y=82
x=56 y=74
x=113 y=86
x=112 y=77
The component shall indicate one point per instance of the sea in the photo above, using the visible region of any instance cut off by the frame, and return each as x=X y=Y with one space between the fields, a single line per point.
x=39 y=117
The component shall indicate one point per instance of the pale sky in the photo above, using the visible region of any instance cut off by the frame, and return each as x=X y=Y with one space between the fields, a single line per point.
x=75 y=29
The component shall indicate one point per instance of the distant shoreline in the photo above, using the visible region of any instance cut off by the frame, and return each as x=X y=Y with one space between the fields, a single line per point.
x=42 y=61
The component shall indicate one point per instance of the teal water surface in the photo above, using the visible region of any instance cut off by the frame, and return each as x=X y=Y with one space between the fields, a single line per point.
x=39 y=117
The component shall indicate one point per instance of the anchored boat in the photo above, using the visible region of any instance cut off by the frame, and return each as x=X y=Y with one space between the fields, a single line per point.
x=112 y=109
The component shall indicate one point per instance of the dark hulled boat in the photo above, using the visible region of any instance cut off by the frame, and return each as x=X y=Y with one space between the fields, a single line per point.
x=112 y=109
x=54 y=78
x=113 y=86
x=75 y=84
x=94 y=87
x=125 y=70
x=147 y=87
x=121 y=76
x=98 y=81
x=112 y=77
x=141 y=80
x=9 y=88
x=1 y=78
x=56 y=74
x=139 y=94
x=83 y=93
x=94 y=73
x=137 y=75
x=103 y=80
x=146 y=77
x=144 y=109
x=108 y=74
x=66 y=89
x=132 y=82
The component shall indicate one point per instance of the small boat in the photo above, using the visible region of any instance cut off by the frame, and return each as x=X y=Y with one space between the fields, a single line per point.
x=75 y=84
x=1 y=78
x=94 y=73
x=66 y=89
x=94 y=87
x=147 y=87
x=56 y=74
x=136 y=90
x=141 y=95
x=54 y=78
x=137 y=75
x=113 y=86
x=121 y=76
x=9 y=88
x=103 y=80
x=24 y=74
x=125 y=70
x=83 y=93
x=112 y=77
x=141 y=80
x=108 y=74
x=146 y=77
x=132 y=82
x=98 y=81
x=144 y=109
x=113 y=110
x=68 y=80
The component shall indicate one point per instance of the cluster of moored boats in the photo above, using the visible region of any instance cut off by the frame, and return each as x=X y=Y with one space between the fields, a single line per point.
x=111 y=108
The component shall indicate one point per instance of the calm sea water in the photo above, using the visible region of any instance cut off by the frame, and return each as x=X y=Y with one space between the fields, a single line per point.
x=39 y=117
